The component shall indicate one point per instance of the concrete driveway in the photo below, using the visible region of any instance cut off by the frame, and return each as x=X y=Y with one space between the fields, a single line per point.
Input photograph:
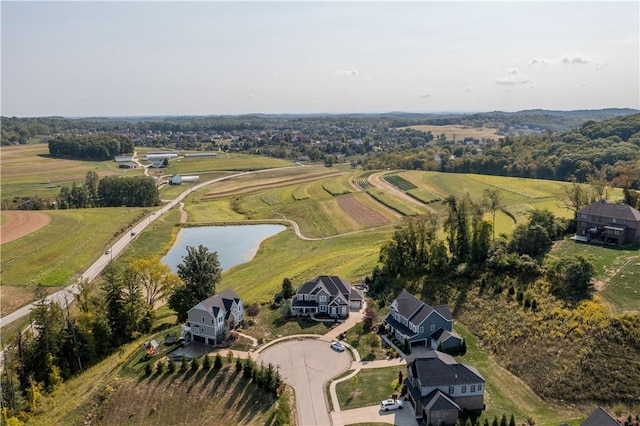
x=307 y=364
x=373 y=414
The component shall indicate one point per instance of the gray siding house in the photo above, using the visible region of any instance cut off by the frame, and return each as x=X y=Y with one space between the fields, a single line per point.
x=608 y=223
x=326 y=294
x=210 y=320
x=421 y=324
x=440 y=389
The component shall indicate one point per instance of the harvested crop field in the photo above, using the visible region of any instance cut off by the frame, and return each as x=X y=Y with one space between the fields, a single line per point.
x=20 y=223
x=365 y=216
x=457 y=132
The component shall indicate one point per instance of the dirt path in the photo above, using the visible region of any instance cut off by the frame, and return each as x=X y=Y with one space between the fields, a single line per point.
x=377 y=180
x=20 y=223
x=183 y=214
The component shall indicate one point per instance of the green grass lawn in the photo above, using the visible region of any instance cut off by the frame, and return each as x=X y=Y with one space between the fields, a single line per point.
x=371 y=387
x=367 y=343
x=286 y=256
x=617 y=272
x=269 y=324
x=224 y=161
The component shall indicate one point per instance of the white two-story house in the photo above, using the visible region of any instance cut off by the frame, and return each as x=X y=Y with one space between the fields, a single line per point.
x=210 y=320
x=440 y=389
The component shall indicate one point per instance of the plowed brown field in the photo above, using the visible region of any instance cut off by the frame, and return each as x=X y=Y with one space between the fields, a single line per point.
x=20 y=223
x=361 y=213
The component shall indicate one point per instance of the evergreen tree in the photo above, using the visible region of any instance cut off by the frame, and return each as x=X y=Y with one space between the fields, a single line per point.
x=217 y=362
x=206 y=363
x=512 y=421
x=113 y=294
x=503 y=420
x=195 y=364
x=287 y=288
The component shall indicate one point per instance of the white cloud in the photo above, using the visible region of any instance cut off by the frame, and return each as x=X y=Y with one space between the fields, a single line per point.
x=576 y=59
x=538 y=61
x=602 y=65
x=512 y=71
x=348 y=72
x=426 y=95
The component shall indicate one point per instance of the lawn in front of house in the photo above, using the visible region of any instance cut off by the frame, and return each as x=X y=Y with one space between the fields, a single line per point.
x=367 y=342
x=369 y=387
x=269 y=325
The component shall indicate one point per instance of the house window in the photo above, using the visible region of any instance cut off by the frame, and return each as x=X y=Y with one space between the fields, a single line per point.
x=421 y=329
x=300 y=297
x=212 y=321
x=323 y=308
x=473 y=388
x=202 y=319
x=323 y=298
x=433 y=327
x=464 y=389
x=613 y=220
x=583 y=216
x=306 y=297
x=479 y=387
x=451 y=390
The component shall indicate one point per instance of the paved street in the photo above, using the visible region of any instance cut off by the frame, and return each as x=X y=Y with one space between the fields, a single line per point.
x=373 y=414
x=306 y=365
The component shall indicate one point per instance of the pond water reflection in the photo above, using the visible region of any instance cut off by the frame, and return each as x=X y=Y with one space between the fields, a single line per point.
x=235 y=244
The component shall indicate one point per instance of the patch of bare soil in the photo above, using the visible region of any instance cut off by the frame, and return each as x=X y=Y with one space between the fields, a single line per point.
x=15 y=297
x=21 y=223
x=361 y=213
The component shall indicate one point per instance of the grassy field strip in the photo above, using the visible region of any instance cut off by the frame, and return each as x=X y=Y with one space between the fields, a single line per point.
x=240 y=186
x=505 y=393
x=225 y=161
x=622 y=291
x=372 y=204
x=340 y=219
x=261 y=278
x=393 y=203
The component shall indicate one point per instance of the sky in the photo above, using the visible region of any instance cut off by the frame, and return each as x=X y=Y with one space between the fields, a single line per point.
x=93 y=58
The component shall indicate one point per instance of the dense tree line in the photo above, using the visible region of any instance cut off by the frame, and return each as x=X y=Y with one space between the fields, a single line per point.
x=415 y=249
x=102 y=146
x=111 y=191
x=66 y=341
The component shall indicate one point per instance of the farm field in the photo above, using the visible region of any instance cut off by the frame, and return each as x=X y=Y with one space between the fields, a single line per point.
x=457 y=132
x=53 y=255
x=224 y=161
x=27 y=170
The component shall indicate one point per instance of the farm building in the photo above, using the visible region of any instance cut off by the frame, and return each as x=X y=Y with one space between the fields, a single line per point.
x=127 y=158
x=201 y=154
x=179 y=179
x=127 y=165
x=153 y=156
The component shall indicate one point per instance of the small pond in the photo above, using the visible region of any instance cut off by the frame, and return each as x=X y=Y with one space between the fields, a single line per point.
x=235 y=244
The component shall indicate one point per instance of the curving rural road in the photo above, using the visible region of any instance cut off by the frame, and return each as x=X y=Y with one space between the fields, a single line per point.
x=67 y=294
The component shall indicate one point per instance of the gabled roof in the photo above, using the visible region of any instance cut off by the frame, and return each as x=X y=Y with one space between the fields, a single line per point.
x=438 y=401
x=356 y=294
x=440 y=335
x=416 y=311
x=618 y=211
x=334 y=285
x=600 y=418
x=435 y=372
x=222 y=301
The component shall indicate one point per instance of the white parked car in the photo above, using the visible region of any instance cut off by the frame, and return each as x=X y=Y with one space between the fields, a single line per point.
x=337 y=346
x=391 y=404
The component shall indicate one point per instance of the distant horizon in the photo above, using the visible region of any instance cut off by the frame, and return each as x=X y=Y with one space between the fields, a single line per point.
x=80 y=117
x=166 y=58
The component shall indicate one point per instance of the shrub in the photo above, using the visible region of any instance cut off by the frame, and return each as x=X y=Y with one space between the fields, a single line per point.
x=148 y=369
x=206 y=362
x=160 y=367
x=171 y=365
x=253 y=309
x=195 y=364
